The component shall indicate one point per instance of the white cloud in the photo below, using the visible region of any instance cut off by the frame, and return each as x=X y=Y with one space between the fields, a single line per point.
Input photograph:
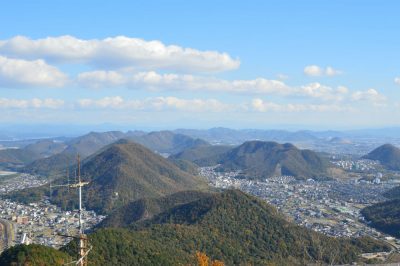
x=260 y=105
x=155 y=81
x=370 y=95
x=317 y=71
x=36 y=103
x=157 y=104
x=282 y=76
x=118 y=52
x=397 y=80
x=313 y=70
x=317 y=90
x=21 y=73
x=330 y=71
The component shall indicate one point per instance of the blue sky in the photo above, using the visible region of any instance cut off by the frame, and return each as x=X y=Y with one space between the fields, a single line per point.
x=259 y=64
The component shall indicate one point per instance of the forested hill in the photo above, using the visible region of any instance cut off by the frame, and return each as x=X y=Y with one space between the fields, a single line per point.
x=388 y=155
x=231 y=226
x=121 y=173
x=259 y=159
x=384 y=216
x=91 y=143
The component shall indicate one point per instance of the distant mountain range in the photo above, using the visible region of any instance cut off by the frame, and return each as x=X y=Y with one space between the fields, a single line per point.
x=231 y=226
x=388 y=155
x=120 y=173
x=232 y=136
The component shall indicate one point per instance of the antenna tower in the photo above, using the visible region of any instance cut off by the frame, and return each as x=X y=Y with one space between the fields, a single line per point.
x=84 y=247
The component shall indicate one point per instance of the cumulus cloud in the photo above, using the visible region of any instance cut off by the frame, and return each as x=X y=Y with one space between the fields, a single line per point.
x=370 y=95
x=31 y=103
x=397 y=80
x=317 y=90
x=21 y=73
x=156 y=104
x=118 y=52
x=317 y=71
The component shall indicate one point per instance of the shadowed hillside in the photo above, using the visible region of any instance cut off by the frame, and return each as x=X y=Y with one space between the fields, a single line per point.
x=144 y=209
x=384 y=216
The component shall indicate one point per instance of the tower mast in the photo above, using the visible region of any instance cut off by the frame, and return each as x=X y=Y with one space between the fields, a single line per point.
x=84 y=248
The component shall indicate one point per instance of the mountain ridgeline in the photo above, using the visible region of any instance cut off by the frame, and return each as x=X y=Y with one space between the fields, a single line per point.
x=388 y=155
x=89 y=144
x=120 y=173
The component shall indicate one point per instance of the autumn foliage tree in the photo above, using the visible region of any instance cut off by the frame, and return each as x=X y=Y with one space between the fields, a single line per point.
x=204 y=260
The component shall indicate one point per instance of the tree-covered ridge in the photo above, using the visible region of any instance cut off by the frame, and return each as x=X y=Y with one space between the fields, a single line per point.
x=385 y=216
x=33 y=255
x=259 y=159
x=119 y=174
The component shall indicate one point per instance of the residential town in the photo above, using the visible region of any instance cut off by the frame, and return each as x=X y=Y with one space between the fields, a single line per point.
x=41 y=222
x=331 y=207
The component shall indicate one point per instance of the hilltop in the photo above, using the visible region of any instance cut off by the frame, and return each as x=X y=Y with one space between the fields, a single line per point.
x=121 y=173
x=388 y=155
x=259 y=159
